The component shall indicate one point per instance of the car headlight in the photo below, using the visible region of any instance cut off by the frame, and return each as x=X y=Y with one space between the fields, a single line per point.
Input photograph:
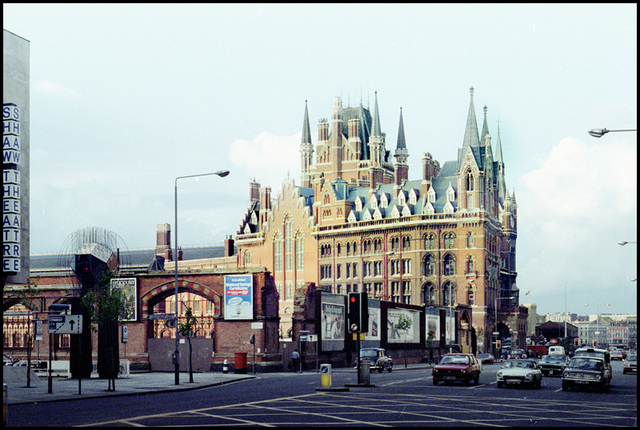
x=499 y=374
x=528 y=375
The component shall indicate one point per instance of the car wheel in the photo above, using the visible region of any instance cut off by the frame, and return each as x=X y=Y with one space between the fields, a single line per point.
x=435 y=382
x=565 y=386
x=380 y=370
x=389 y=369
x=499 y=384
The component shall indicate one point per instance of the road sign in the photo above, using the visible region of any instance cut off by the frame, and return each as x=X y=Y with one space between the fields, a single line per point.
x=65 y=324
x=312 y=338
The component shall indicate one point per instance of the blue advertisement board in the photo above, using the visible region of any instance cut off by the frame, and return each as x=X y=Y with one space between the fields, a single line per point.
x=238 y=297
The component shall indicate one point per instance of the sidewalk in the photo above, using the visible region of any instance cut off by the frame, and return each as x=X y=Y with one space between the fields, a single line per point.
x=136 y=383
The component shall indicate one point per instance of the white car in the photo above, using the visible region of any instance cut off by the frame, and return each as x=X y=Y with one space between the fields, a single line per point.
x=519 y=372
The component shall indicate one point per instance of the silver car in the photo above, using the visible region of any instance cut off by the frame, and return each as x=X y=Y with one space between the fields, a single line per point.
x=519 y=372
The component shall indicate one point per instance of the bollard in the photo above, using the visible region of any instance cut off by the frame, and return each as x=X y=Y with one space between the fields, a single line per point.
x=4 y=405
x=225 y=366
x=325 y=375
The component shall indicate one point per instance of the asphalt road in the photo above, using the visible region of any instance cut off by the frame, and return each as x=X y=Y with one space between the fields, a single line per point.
x=405 y=397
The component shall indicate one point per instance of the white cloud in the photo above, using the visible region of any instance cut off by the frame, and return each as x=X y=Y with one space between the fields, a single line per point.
x=572 y=211
x=56 y=89
x=268 y=158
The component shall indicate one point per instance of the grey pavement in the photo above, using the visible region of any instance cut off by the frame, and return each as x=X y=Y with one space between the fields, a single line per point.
x=135 y=383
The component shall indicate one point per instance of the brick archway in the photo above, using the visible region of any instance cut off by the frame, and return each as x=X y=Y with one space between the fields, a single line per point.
x=149 y=299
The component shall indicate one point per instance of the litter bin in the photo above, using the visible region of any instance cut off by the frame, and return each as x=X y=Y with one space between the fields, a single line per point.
x=241 y=362
x=365 y=374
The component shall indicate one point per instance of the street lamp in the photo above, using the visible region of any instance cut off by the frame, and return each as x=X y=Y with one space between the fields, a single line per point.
x=176 y=361
x=599 y=132
x=624 y=242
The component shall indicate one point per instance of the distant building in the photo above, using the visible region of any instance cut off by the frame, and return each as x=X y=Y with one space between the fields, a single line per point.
x=357 y=223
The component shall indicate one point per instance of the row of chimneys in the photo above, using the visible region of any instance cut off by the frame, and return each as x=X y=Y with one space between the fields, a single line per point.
x=163 y=244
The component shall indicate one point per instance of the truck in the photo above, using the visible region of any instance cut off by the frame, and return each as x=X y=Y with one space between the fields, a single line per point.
x=537 y=350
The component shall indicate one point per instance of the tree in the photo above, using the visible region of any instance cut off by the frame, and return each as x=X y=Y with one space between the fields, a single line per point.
x=404 y=324
x=186 y=329
x=105 y=305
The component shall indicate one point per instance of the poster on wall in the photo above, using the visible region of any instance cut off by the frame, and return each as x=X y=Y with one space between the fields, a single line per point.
x=238 y=297
x=397 y=335
x=130 y=290
x=432 y=323
x=374 y=323
x=332 y=322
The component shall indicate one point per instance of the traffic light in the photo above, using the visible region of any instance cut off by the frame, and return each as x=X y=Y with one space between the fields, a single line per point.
x=575 y=341
x=594 y=343
x=358 y=312
x=498 y=343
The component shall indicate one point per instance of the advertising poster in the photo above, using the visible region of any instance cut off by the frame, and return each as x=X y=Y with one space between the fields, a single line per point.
x=332 y=322
x=374 y=324
x=432 y=323
x=238 y=297
x=395 y=334
x=129 y=287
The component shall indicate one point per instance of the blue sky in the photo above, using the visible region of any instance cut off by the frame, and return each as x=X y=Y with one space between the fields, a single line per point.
x=125 y=98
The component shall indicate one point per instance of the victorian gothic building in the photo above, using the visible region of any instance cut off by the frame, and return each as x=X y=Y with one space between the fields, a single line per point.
x=358 y=223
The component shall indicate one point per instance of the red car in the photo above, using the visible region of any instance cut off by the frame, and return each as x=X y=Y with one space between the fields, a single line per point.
x=457 y=368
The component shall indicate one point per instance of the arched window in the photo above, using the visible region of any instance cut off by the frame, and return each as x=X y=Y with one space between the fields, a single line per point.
x=429 y=266
x=299 y=251
x=449 y=240
x=448 y=294
x=288 y=244
x=469 y=268
x=277 y=253
x=469 y=240
x=449 y=265
x=429 y=241
x=469 y=184
x=429 y=293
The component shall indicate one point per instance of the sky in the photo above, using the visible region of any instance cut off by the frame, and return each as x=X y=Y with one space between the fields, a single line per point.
x=126 y=98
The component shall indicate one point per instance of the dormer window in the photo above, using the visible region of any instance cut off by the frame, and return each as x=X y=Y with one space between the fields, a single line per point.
x=413 y=197
x=373 y=202
x=451 y=194
x=431 y=195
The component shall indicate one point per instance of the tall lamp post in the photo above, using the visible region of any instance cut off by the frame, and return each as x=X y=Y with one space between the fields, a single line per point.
x=599 y=132
x=176 y=354
x=623 y=243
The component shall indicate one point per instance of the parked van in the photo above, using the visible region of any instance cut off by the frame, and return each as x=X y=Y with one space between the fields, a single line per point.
x=556 y=350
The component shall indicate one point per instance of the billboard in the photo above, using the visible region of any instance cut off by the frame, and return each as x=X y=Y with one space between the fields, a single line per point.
x=130 y=288
x=238 y=297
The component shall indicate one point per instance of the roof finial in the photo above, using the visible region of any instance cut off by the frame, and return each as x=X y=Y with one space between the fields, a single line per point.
x=471 y=91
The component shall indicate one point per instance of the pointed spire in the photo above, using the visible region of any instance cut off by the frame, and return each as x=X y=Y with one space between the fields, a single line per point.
x=471 y=131
x=376 y=131
x=485 y=126
x=499 y=147
x=402 y=144
x=306 y=130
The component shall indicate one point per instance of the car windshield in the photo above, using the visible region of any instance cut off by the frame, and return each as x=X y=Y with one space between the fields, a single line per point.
x=586 y=363
x=548 y=358
x=519 y=364
x=368 y=353
x=632 y=358
x=455 y=359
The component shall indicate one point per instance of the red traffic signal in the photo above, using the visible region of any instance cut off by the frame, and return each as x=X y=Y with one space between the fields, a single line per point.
x=575 y=341
x=498 y=342
x=594 y=342
x=358 y=312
